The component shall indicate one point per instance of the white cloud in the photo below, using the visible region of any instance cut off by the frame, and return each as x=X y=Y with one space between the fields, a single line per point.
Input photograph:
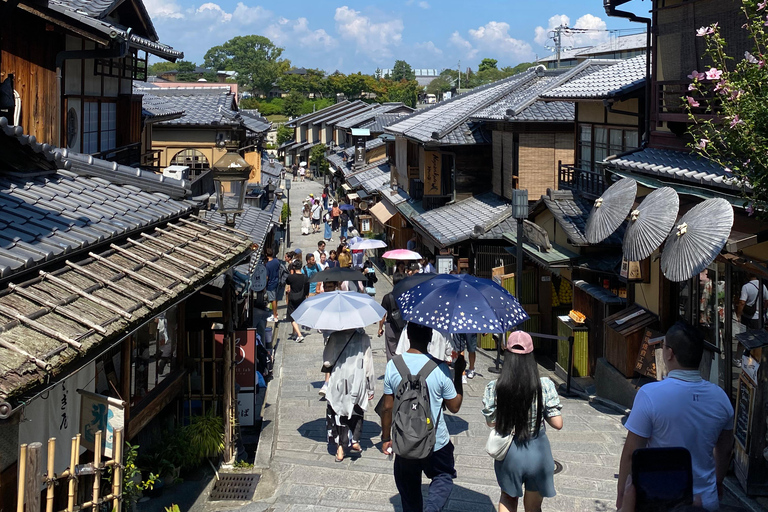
x=163 y=9
x=285 y=32
x=462 y=44
x=428 y=47
x=214 y=11
x=494 y=37
x=596 y=25
x=373 y=38
x=424 y=5
x=246 y=15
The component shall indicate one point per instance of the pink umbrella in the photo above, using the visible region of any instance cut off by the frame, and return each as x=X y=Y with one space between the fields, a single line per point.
x=401 y=254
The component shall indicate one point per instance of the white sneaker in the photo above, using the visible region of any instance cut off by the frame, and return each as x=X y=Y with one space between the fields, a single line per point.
x=323 y=389
x=463 y=379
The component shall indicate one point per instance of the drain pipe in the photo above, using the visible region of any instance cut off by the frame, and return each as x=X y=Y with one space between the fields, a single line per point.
x=610 y=10
x=114 y=52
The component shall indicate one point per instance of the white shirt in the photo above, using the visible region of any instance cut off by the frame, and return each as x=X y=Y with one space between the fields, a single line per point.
x=317 y=256
x=429 y=269
x=749 y=296
x=687 y=413
x=439 y=346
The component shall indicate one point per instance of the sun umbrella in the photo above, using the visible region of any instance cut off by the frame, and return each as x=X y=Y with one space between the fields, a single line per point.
x=409 y=282
x=650 y=223
x=337 y=274
x=336 y=311
x=458 y=303
x=610 y=210
x=354 y=240
x=303 y=164
x=367 y=243
x=697 y=240
x=401 y=254
x=346 y=207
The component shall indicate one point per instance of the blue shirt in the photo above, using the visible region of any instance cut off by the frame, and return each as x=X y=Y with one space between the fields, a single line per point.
x=309 y=272
x=439 y=384
x=273 y=274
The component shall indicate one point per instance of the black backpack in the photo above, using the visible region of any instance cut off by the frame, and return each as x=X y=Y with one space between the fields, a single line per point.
x=413 y=428
x=393 y=313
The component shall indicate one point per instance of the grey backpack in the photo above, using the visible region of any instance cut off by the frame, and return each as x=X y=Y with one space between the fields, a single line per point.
x=413 y=428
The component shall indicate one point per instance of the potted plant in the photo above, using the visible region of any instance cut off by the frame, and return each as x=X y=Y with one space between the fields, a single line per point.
x=206 y=436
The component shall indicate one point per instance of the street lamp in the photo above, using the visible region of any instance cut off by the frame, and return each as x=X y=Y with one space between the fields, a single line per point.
x=519 y=212
x=230 y=176
x=288 y=222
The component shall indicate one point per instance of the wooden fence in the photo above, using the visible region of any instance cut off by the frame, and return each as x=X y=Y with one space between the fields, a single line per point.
x=32 y=476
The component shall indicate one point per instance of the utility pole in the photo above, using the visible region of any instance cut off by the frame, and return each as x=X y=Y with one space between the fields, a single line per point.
x=459 y=68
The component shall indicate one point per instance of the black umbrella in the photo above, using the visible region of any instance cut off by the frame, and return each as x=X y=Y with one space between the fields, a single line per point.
x=337 y=274
x=650 y=223
x=697 y=240
x=610 y=210
x=409 y=282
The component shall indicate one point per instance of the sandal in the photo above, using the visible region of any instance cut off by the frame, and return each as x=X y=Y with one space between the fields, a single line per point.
x=356 y=448
x=342 y=454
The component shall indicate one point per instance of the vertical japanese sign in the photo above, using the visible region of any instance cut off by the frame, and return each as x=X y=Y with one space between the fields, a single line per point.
x=56 y=413
x=432 y=173
x=99 y=412
x=359 y=152
x=245 y=359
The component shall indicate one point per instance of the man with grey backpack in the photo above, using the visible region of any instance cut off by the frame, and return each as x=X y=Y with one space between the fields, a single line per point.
x=412 y=424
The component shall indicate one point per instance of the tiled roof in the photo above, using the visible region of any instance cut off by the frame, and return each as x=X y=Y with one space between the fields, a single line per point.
x=374 y=143
x=254 y=121
x=571 y=212
x=50 y=215
x=370 y=115
x=678 y=165
x=602 y=79
x=372 y=179
x=314 y=115
x=456 y=222
x=52 y=158
x=202 y=106
x=616 y=44
x=381 y=121
x=337 y=160
x=565 y=54
x=254 y=221
x=270 y=170
x=286 y=144
x=155 y=107
x=350 y=110
x=448 y=122
x=547 y=112
x=93 y=14
x=395 y=197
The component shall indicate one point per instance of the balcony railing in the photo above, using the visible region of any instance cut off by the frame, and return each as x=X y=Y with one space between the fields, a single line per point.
x=129 y=154
x=671 y=100
x=589 y=183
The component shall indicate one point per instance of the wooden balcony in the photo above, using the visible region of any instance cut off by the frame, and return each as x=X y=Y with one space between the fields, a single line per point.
x=670 y=102
x=129 y=154
x=588 y=183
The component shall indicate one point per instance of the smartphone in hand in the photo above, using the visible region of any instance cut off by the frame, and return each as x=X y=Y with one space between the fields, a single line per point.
x=663 y=478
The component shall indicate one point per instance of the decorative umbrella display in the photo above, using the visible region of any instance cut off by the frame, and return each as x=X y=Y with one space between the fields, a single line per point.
x=460 y=303
x=697 y=240
x=610 y=210
x=337 y=274
x=401 y=254
x=409 y=282
x=650 y=223
x=338 y=310
x=367 y=243
x=347 y=207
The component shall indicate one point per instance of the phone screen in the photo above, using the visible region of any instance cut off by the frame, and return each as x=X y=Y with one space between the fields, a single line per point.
x=662 y=477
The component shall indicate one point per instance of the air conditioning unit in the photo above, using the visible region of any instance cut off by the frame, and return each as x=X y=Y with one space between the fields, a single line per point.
x=177 y=172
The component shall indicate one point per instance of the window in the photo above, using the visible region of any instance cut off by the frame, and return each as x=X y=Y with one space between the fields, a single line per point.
x=153 y=354
x=99 y=126
x=597 y=142
x=192 y=158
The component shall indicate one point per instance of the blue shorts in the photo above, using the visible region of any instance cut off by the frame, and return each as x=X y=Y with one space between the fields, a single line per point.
x=472 y=342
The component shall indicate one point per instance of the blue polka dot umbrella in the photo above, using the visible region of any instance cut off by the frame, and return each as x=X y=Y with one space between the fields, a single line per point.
x=460 y=303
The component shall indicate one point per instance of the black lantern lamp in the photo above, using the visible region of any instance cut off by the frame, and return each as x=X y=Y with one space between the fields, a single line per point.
x=230 y=175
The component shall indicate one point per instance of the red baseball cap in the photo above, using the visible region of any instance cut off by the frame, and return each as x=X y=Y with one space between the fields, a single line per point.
x=520 y=342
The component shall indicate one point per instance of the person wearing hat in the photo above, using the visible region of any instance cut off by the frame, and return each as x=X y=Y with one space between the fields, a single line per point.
x=517 y=405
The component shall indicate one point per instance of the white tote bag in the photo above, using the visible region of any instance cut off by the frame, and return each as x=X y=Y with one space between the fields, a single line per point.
x=497 y=445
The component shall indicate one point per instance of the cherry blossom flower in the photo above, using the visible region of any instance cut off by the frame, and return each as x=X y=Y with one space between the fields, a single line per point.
x=736 y=121
x=702 y=143
x=713 y=74
x=695 y=75
x=704 y=31
x=692 y=87
x=692 y=102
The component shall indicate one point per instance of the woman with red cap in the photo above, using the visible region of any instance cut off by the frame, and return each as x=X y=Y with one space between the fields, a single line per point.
x=516 y=406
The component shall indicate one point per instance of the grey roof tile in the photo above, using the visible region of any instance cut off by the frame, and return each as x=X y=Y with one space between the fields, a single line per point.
x=616 y=44
x=599 y=81
x=373 y=179
x=254 y=121
x=320 y=113
x=456 y=222
x=349 y=110
x=678 y=165
x=202 y=106
x=370 y=116
x=381 y=121
x=571 y=212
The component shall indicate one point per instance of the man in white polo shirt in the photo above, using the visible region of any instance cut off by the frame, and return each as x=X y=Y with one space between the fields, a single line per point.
x=685 y=411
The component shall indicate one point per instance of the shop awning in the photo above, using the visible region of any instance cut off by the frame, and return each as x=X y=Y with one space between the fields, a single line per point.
x=352 y=196
x=361 y=132
x=556 y=257
x=383 y=211
x=70 y=313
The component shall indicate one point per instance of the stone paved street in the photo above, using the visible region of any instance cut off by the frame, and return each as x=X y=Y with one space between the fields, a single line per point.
x=303 y=476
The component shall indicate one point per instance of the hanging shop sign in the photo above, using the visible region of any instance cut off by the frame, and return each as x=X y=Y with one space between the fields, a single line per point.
x=432 y=173
x=99 y=412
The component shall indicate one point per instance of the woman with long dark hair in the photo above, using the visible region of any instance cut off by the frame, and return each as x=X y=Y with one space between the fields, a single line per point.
x=518 y=404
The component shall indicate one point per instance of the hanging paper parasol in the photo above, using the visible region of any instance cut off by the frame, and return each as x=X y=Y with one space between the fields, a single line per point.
x=650 y=223
x=401 y=254
x=461 y=303
x=697 y=240
x=337 y=311
x=367 y=243
x=610 y=210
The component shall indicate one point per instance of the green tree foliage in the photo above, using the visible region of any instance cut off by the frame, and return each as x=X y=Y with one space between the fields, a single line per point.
x=509 y=70
x=255 y=58
x=728 y=110
x=159 y=68
x=405 y=91
x=317 y=158
x=353 y=85
x=310 y=106
x=401 y=71
x=284 y=134
x=487 y=64
x=293 y=103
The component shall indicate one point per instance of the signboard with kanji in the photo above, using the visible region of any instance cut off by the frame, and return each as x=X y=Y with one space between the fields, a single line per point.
x=646 y=359
x=432 y=173
x=99 y=412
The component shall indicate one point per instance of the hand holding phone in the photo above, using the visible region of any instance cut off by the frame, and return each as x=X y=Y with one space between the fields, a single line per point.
x=663 y=478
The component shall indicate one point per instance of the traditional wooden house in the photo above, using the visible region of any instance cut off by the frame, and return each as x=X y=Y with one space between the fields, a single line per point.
x=72 y=65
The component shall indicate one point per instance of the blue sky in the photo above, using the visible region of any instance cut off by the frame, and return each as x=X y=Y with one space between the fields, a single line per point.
x=358 y=35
